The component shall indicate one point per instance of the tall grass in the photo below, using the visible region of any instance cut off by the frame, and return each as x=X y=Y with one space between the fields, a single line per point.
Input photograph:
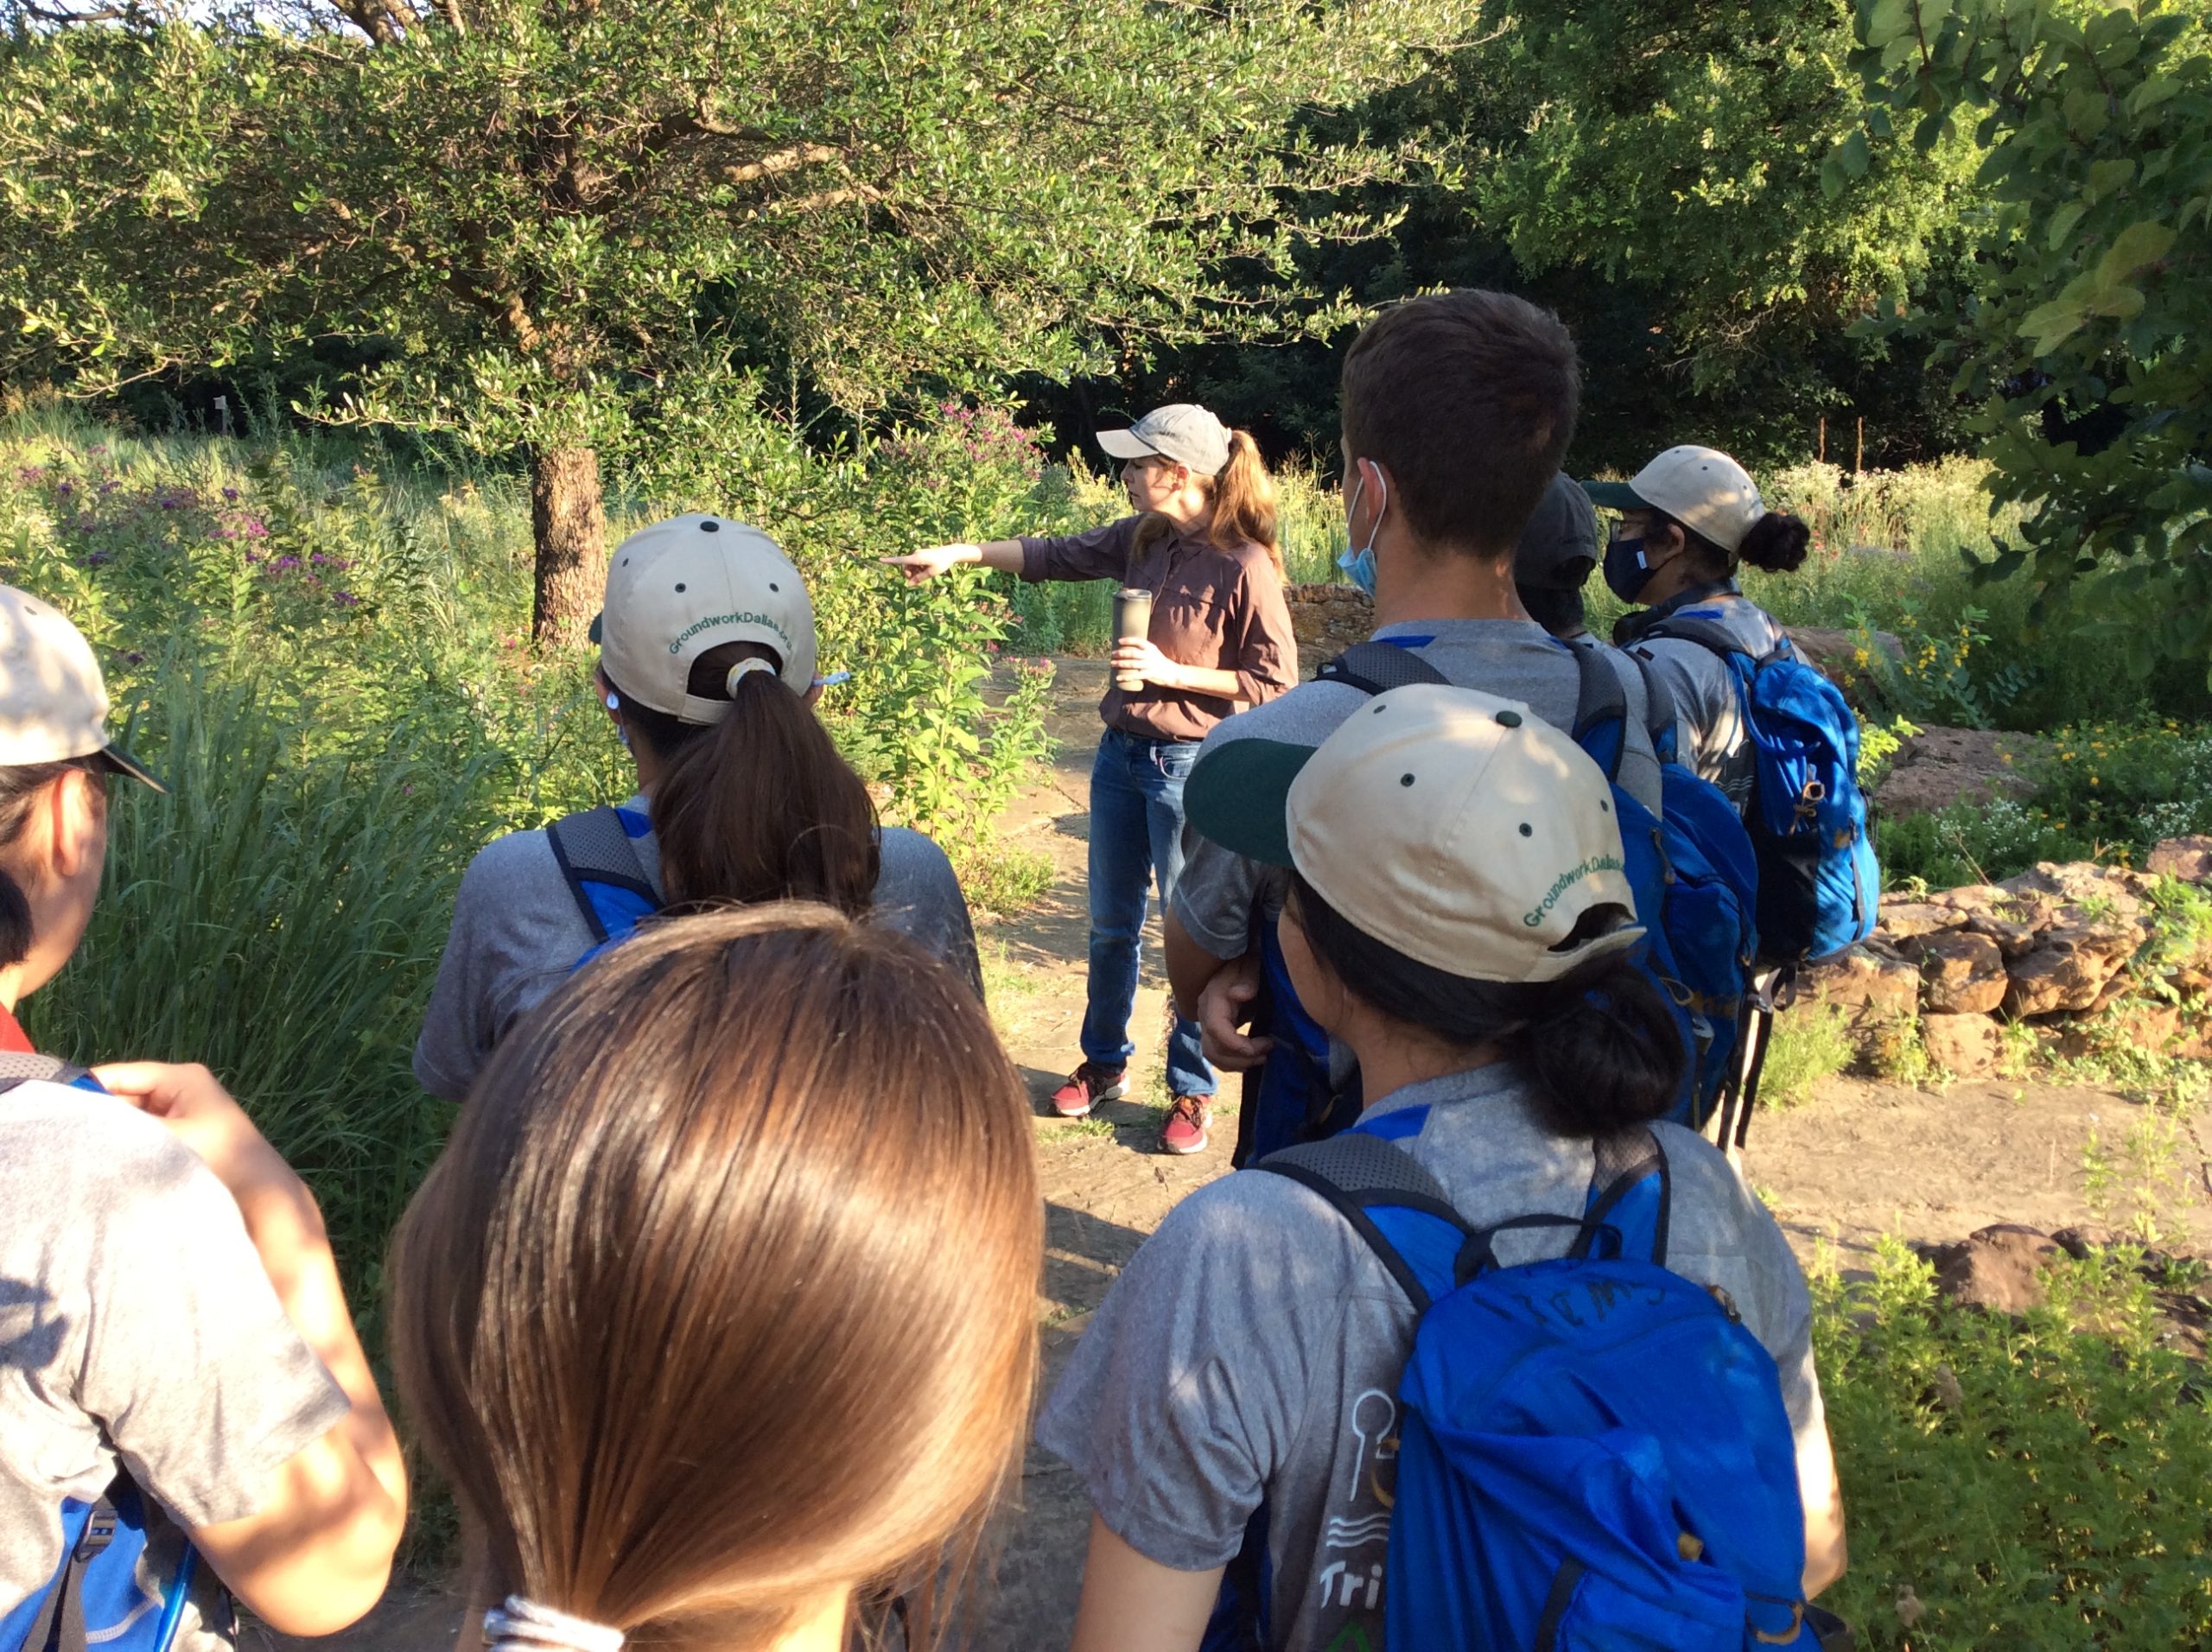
x=280 y=920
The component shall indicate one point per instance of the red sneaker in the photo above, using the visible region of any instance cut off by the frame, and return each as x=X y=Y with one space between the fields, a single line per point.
x=1087 y=1085
x=1185 y=1128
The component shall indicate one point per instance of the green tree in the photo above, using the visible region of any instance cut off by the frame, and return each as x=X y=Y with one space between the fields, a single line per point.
x=547 y=215
x=1654 y=171
x=1682 y=145
x=2086 y=337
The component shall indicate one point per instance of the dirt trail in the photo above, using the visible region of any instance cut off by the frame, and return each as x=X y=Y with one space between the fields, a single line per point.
x=1854 y=1162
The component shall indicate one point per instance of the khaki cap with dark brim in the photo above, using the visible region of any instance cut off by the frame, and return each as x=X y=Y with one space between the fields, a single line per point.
x=1702 y=488
x=1456 y=828
x=53 y=698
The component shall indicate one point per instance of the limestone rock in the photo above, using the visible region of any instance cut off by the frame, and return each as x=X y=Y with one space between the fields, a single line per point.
x=1960 y=973
x=1966 y=1046
x=2069 y=969
x=1971 y=897
x=2108 y=889
x=1938 y=768
x=1328 y=619
x=1999 y=1268
x=1907 y=920
x=1869 y=979
x=2188 y=859
x=1835 y=654
x=2014 y=937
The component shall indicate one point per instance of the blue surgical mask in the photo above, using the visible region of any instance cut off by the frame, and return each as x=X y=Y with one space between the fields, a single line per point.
x=1359 y=565
x=1626 y=572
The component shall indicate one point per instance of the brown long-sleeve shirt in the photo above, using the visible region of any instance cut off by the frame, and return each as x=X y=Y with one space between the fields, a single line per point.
x=1220 y=609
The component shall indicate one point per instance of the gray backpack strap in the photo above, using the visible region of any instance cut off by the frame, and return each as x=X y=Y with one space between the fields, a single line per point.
x=592 y=847
x=1354 y=1170
x=1376 y=668
x=24 y=1067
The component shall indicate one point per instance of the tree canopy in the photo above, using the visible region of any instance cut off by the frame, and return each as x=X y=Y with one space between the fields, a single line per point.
x=539 y=212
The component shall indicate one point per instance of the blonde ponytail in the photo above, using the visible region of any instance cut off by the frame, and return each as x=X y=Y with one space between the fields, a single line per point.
x=1245 y=501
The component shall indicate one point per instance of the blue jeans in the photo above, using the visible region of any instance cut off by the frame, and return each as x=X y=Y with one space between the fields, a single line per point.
x=1136 y=834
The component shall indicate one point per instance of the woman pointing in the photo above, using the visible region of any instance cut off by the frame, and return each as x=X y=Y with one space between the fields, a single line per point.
x=1201 y=539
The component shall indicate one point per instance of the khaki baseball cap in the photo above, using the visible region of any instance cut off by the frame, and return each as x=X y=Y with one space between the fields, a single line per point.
x=53 y=699
x=682 y=587
x=1702 y=488
x=1454 y=827
x=1183 y=431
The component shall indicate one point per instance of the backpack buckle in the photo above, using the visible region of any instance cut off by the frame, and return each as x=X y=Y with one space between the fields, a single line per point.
x=99 y=1530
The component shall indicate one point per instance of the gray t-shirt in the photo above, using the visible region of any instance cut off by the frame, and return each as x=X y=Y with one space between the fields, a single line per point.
x=138 y=1329
x=517 y=935
x=1251 y=1350
x=1219 y=891
x=1710 y=734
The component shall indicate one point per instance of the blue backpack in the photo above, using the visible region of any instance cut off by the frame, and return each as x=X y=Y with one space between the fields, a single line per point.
x=1690 y=866
x=597 y=849
x=126 y=1569
x=1820 y=886
x=1593 y=1455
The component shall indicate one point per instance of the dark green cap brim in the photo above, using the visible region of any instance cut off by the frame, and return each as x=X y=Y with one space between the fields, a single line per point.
x=1615 y=496
x=116 y=760
x=595 y=620
x=1238 y=795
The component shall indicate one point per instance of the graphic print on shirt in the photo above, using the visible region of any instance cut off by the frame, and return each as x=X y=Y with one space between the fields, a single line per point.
x=1358 y=1527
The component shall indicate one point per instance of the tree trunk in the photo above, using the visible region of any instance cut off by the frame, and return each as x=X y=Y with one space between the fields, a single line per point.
x=569 y=530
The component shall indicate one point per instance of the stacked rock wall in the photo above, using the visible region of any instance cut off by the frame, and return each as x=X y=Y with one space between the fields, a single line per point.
x=2055 y=942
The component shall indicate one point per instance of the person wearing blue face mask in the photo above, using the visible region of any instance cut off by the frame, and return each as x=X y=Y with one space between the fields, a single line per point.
x=1688 y=520
x=1457 y=410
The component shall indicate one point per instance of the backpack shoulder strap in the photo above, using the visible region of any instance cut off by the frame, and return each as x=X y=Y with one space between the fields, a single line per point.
x=1660 y=715
x=1631 y=1198
x=1705 y=632
x=1601 y=706
x=1362 y=1176
x=1376 y=668
x=594 y=847
x=24 y=1066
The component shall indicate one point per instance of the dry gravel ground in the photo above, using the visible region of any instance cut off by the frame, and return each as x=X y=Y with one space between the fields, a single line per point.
x=1857 y=1159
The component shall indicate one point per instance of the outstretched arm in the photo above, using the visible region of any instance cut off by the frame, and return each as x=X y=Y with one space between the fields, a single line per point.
x=1005 y=555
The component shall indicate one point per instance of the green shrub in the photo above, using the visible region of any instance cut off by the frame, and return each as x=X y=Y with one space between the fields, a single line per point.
x=1973 y=842
x=2014 y=1483
x=280 y=919
x=1809 y=1043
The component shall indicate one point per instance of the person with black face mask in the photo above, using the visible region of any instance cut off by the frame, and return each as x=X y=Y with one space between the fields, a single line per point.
x=1688 y=520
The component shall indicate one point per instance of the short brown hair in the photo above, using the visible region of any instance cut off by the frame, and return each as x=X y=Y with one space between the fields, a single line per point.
x=723 y=1296
x=1468 y=399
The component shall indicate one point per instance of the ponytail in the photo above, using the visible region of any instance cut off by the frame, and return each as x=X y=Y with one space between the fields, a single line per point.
x=1776 y=541
x=1245 y=501
x=759 y=806
x=762 y=808
x=1598 y=1041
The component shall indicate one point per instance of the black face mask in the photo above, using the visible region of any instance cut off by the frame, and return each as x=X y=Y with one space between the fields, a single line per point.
x=1626 y=572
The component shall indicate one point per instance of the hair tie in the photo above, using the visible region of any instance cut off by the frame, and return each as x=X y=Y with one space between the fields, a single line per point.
x=744 y=668
x=525 y=1626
